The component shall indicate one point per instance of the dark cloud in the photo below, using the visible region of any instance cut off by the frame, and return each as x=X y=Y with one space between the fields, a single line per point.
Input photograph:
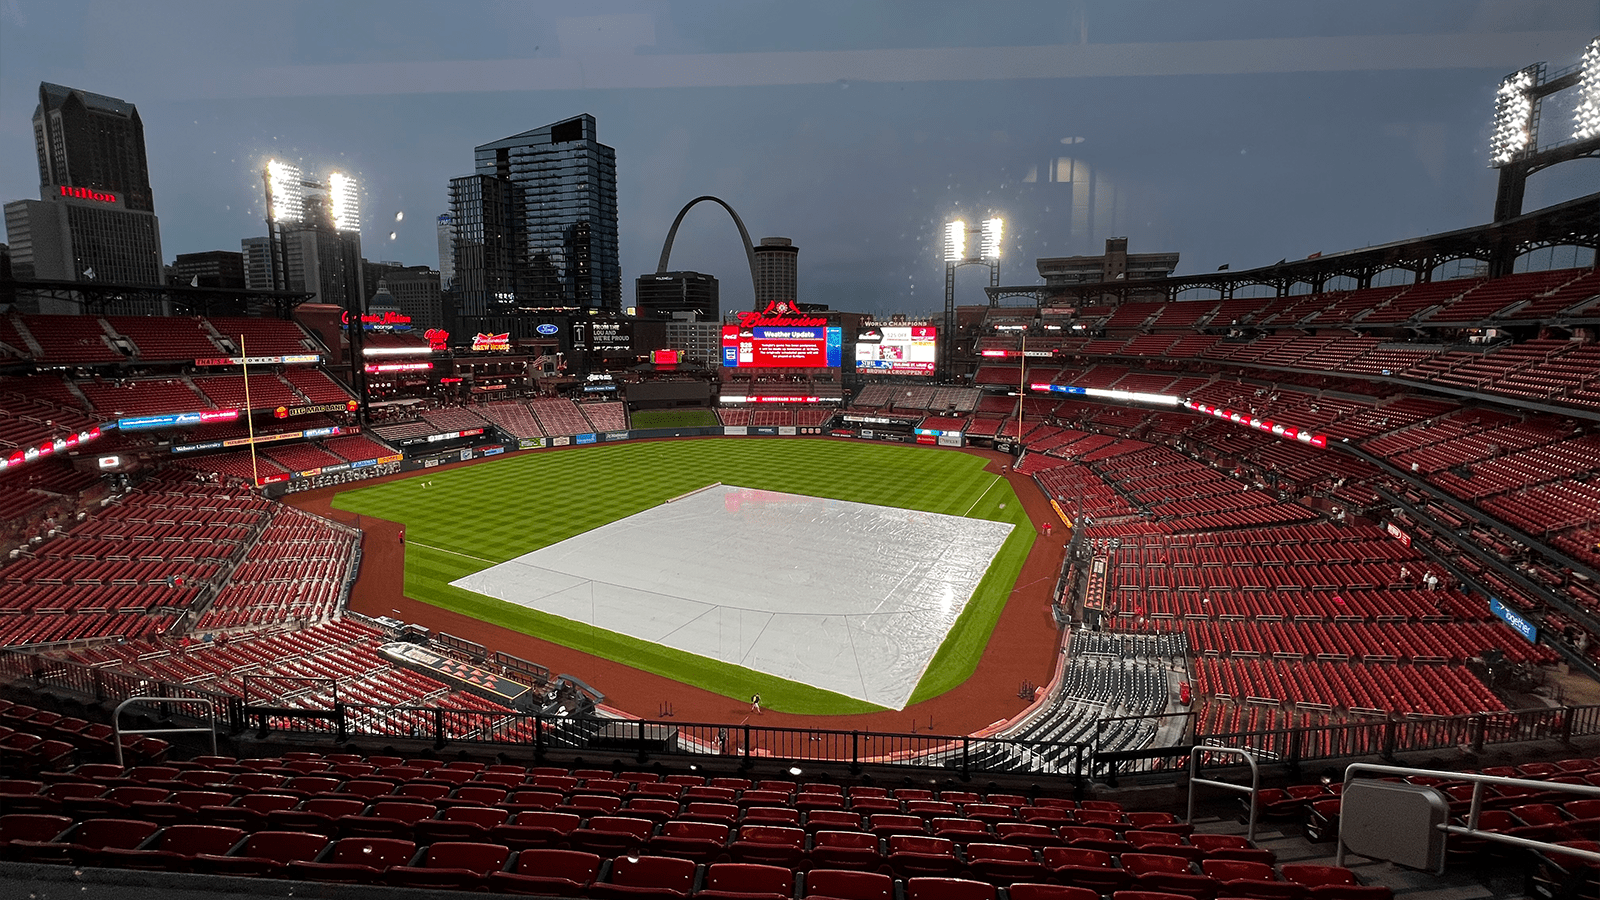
x=1234 y=131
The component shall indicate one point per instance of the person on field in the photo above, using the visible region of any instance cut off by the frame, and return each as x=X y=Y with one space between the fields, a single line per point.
x=755 y=704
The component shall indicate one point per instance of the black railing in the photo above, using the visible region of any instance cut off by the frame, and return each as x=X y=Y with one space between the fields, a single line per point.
x=1386 y=737
x=745 y=744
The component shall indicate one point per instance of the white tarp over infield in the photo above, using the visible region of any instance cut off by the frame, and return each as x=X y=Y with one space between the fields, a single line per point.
x=848 y=597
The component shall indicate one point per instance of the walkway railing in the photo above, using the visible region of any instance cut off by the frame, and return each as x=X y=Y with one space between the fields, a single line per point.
x=746 y=742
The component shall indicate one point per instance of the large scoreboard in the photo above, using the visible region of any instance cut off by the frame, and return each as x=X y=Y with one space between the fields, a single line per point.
x=782 y=337
x=816 y=346
x=897 y=349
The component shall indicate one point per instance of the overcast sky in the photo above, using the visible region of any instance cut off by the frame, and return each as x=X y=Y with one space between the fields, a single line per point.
x=1237 y=131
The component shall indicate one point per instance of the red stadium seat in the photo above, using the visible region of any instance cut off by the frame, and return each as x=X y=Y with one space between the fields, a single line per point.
x=551 y=873
x=354 y=861
x=856 y=850
x=646 y=876
x=746 y=881
x=843 y=885
x=451 y=865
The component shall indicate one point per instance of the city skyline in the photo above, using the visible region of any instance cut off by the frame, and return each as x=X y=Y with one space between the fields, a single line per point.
x=856 y=133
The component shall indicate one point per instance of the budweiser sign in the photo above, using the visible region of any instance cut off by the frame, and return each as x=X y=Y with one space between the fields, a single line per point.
x=481 y=341
x=779 y=313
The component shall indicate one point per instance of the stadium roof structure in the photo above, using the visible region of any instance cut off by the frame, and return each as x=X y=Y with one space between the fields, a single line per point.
x=1573 y=223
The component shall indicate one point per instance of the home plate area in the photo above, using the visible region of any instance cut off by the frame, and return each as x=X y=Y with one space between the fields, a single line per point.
x=847 y=597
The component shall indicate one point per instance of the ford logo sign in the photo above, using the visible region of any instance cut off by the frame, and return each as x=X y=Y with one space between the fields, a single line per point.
x=548 y=328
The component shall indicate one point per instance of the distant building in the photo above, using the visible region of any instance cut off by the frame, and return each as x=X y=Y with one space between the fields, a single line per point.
x=488 y=256
x=776 y=271
x=668 y=294
x=447 y=258
x=95 y=219
x=700 y=342
x=536 y=227
x=213 y=268
x=1117 y=264
x=374 y=272
x=257 y=263
x=416 y=291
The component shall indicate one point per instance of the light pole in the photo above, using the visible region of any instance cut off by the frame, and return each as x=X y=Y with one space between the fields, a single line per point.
x=956 y=256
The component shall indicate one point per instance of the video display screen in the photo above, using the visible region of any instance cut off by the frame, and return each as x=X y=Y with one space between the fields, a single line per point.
x=806 y=346
x=898 y=349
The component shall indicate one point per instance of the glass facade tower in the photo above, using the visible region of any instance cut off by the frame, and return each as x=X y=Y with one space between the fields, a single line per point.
x=563 y=192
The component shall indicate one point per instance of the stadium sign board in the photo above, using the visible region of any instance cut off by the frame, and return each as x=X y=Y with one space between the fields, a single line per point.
x=1518 y=623
x=296 y=359
x=178 y=420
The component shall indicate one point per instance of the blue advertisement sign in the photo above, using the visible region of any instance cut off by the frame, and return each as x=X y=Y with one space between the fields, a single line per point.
x=548 y=329
x=1515 y=619
x=585 y=439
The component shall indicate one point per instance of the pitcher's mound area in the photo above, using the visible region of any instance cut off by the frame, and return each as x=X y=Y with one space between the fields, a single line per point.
x=847 y=597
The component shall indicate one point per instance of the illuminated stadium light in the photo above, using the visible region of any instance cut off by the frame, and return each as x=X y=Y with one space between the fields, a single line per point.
x=955 y=241
x=1106 y=393
x=1513 y=117
x=1586 y=123
x=346 y=202
x=285 y=192
x=396 y=351
x=993 y=231
x=372 y=368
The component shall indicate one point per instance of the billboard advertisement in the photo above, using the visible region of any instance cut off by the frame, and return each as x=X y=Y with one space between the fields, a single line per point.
x=897 y=349
x=776 y=346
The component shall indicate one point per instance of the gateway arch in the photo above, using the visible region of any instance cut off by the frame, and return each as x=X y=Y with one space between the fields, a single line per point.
x=744 y=236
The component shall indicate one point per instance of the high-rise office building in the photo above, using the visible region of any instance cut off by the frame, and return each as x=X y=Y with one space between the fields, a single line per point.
x=664 y=294
x=447 y=257
x=213 y=268
x=776 y=271
x=257 y=263
x=563 y=199
x=415 y=290
x=488 y=256
x=95 y=219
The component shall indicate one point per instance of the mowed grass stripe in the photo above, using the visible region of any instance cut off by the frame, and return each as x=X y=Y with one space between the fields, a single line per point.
x=502 y=510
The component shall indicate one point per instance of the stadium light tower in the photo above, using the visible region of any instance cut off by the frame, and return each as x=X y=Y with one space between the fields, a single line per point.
x=1586 y=124
x=956 y=234
x=322 y=236
x=286 y=197
x=1514 y=146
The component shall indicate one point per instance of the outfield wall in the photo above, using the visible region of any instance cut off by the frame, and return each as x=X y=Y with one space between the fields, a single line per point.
x=419 y=457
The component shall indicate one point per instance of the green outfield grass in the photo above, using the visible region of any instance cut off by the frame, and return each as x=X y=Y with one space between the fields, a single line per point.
x=471 y=517
x=673 y=418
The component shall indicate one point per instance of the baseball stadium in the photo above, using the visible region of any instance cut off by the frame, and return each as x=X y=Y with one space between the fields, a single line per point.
x=1279 y=582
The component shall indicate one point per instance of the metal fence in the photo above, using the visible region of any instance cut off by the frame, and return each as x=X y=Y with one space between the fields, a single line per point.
x=516 y=733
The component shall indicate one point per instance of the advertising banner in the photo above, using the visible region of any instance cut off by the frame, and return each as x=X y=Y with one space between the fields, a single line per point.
x=897 y=349
x=1518 y=623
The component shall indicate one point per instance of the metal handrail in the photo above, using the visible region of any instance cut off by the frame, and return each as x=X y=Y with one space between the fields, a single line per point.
x=211 y=719
x=1255 y=781
x=1471 y=828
